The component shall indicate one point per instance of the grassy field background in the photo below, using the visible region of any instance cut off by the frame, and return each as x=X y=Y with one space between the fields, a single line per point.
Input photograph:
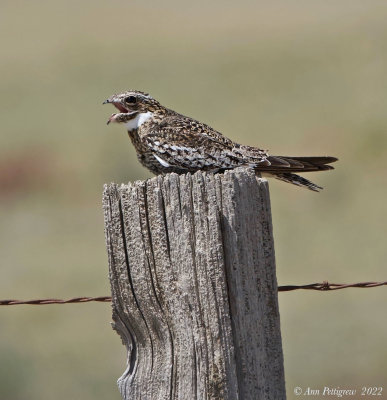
x=298 y=78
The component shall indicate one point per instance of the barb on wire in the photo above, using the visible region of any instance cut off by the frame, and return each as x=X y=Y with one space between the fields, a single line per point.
x=324 y=286
x=330 y=286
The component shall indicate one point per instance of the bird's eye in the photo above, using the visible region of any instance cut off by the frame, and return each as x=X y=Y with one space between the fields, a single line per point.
x=131 y=100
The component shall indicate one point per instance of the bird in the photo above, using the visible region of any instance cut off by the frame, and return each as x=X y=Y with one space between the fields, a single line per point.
x=166 y=141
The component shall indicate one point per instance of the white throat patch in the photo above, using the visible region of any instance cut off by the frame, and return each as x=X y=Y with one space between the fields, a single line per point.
x=138 y=120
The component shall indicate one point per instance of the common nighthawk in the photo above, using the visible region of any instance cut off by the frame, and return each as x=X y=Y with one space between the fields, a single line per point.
x=166 y=141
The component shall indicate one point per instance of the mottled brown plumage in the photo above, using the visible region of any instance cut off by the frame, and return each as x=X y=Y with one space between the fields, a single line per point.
x=166 y=141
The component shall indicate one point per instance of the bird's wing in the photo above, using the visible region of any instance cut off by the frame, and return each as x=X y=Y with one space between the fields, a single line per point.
x=188 y=144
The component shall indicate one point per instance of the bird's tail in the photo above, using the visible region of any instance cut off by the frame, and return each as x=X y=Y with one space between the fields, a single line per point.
x=283 y=168
x=297 y=180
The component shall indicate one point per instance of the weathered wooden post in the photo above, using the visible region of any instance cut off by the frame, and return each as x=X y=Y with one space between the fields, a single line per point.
x=194 y=289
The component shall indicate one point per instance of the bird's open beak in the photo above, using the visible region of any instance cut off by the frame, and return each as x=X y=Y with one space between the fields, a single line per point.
x=119 y=106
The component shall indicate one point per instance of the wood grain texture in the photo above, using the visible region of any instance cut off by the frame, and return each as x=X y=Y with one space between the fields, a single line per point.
x=192 y=272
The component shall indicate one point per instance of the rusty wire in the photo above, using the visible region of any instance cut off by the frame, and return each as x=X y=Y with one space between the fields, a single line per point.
x=56 y=301
x=324 y=286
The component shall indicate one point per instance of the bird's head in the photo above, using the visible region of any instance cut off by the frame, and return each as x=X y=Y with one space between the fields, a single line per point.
x=133 y=106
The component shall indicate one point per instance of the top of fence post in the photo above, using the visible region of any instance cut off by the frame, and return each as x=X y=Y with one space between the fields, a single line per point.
x=192 y=271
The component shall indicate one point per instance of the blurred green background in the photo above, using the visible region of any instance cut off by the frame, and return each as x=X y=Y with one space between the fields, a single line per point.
x=298 y=78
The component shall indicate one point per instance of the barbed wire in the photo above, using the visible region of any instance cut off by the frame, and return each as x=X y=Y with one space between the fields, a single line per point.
x=324 y=286
x=100 y=299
